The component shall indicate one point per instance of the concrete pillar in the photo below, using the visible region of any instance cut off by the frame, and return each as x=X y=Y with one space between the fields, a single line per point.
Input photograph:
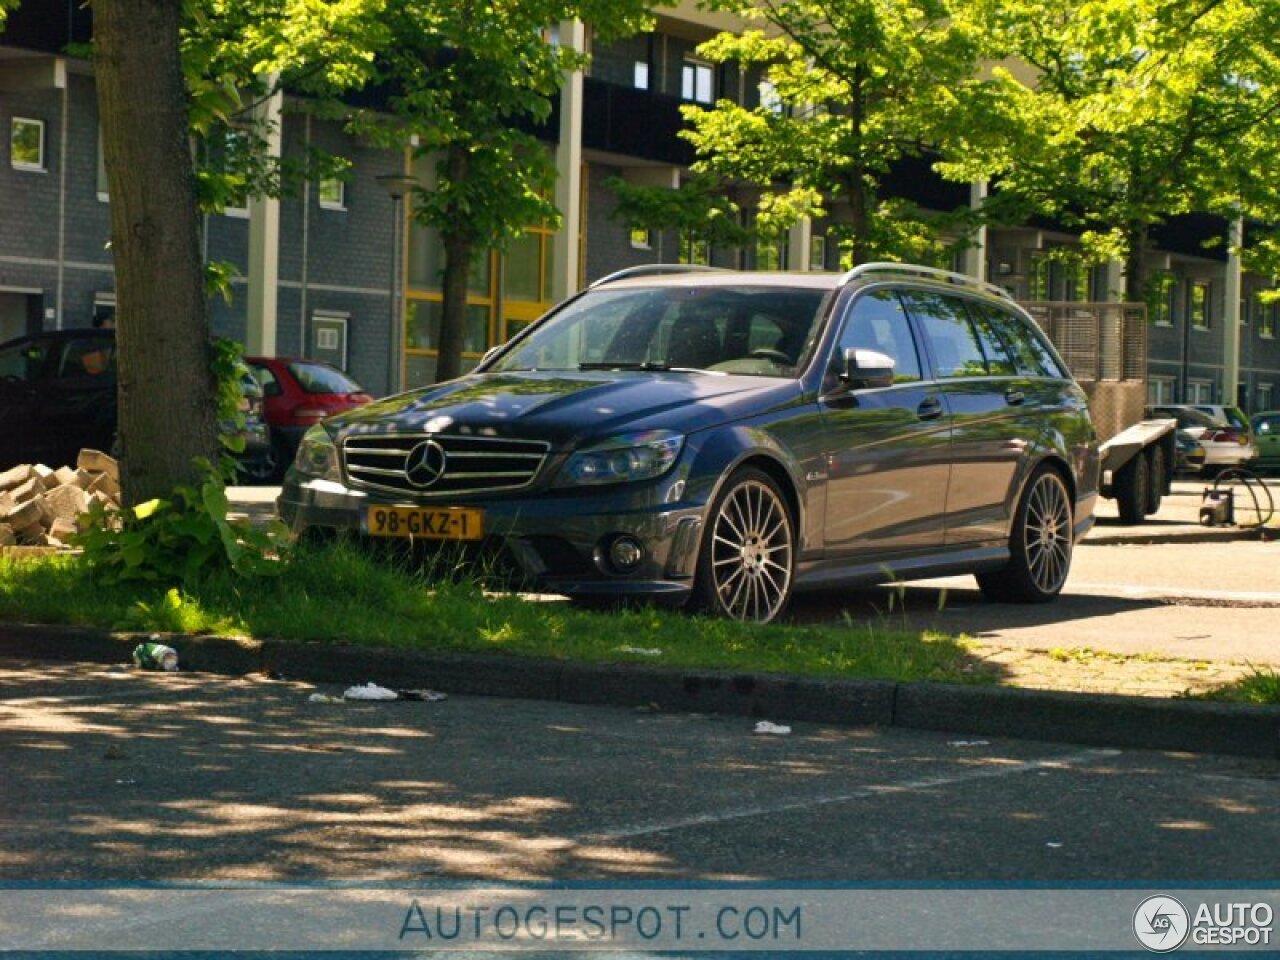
x=1231 y=312
x=264 y=236
x=1115 y=281
x=564 y=281
x=799 y=238
x=975 y=255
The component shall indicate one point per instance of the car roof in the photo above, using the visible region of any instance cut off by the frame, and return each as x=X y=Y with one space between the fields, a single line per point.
x=778 y=280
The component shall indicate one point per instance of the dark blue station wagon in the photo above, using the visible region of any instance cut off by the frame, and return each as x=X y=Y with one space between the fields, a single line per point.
x=727 y=438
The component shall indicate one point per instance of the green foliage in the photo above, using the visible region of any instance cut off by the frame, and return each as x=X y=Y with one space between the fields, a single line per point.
x=226 y=360
x=851 y=89
x=1112 y=115
x=175 y=540
x=700 y=209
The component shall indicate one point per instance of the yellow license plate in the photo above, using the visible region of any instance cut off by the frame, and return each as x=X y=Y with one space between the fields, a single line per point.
x=422 y=523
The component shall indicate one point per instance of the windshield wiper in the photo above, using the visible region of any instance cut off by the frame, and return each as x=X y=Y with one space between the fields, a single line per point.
x=623 y=365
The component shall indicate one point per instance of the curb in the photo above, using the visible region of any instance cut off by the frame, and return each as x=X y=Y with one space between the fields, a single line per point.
x=1145 y=723
x=1114 y=535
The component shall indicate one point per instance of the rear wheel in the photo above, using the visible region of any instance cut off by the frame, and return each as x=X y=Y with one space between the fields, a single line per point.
x=1155 y=477
x=1130 y=489
x=747 y=560
x=1040 y=546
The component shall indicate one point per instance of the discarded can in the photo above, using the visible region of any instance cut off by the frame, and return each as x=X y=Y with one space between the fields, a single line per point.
x=155 y=656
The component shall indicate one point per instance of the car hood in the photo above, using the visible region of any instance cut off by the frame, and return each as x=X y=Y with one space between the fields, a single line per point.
x=565 y=407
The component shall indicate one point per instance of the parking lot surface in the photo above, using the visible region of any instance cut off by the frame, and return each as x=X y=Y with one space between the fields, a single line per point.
x=114 y=774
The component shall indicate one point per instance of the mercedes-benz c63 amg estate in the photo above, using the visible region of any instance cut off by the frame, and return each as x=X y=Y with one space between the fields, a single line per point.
x=728 y=438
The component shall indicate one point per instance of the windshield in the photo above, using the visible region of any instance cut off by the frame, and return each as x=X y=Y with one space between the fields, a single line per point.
x=759 y=331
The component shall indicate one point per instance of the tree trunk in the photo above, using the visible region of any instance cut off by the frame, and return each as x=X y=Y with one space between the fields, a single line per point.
x=1138 y=237
x=458 y=249
x=166 y=389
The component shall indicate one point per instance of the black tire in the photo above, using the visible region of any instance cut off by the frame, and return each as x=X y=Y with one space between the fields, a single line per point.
x=1130 y=490
x=1155 y=477
x=1039 y=546
x=746 y=564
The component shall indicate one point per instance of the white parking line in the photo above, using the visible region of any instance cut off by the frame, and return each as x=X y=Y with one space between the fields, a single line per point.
x=862 y=793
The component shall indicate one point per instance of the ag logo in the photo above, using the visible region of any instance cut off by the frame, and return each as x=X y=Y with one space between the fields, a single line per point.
x=425 y=464
x=1161 y=924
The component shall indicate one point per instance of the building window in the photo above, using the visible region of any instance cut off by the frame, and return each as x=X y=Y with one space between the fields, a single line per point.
x=769 y=98
x=1198 y=305
x=1038 y=278
x=1199 y=391
x=1160 y=390
x=769 y=256
x=230 y=156
x=696 y=82
x=641 y=239
x=694 y=250
x=103 y=189
x=641 y=75
x=1160 y=289
x=1266 y=314
x=1265 y=394
x=26 y=144
x=332 y=192
x=817 y=252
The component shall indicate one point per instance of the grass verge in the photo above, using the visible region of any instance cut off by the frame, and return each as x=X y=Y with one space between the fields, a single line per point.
x=341 y=595
x=1261 y=686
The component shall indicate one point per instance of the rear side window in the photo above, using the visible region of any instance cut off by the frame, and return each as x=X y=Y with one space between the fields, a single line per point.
x=1000 y=358
x=270 y=385
x=957 y=349
x=87 y=357
x=1031 y=353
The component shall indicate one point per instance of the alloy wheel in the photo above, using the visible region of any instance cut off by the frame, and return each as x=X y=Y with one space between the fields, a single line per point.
x=751 y=546
x=1047 y=533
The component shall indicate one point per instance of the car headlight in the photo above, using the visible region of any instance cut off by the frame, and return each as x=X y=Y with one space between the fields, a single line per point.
x=621 y=459
x=317 y=455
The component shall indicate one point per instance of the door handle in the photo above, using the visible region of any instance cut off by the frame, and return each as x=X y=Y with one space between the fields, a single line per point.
x=930 y=408
x=1014 y=397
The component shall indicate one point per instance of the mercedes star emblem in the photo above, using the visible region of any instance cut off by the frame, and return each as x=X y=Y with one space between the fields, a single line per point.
x=425 y=464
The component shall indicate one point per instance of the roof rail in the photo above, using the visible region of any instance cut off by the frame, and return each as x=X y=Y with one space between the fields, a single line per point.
x=931 y=273
x=653 y=270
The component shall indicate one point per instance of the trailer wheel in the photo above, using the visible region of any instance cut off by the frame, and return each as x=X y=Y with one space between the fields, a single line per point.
x=1130 y=489
x=1155 y=477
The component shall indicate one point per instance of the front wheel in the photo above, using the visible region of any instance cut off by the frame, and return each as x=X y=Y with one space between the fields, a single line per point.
x=1040 y=546
x=747 y=560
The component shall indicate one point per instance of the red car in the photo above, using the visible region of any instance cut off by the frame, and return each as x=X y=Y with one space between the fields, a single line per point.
x=298 y=394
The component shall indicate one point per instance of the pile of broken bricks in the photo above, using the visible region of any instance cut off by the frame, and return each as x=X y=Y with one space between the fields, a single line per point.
x=40 y=507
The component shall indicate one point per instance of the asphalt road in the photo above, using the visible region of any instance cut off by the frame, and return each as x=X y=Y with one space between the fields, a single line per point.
x=117 y=775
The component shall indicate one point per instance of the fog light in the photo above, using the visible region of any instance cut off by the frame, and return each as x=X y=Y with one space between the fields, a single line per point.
x=625 y=553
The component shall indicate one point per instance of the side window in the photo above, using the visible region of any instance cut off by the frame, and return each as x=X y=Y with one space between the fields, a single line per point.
x=1000 y=359
x=22 y=362
x=957 y=351
x=87 y=357
x=1031 y=353
x=879 y=322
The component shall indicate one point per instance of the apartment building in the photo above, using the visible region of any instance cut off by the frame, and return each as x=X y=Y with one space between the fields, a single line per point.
x=324 y=272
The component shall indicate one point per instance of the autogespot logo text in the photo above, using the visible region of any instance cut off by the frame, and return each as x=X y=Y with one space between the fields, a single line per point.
x=1161 y=924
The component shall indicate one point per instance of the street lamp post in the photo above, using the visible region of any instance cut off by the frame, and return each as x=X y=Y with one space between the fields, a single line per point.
x=399 y=186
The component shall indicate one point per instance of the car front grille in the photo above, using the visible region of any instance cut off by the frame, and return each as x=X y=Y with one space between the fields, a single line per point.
x=459 y=464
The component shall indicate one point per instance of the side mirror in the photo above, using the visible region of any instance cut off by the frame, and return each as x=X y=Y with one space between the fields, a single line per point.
x=866 y=369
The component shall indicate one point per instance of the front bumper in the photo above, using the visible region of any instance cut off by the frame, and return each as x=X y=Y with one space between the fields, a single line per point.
x=557 y=539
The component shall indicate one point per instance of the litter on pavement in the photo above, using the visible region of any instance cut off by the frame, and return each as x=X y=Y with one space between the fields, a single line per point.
x=428 y=696
x=641 y=651
x=764 y=726
x=370 y=691
x=155 y=656
x=324 y=698
x=968 y=743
